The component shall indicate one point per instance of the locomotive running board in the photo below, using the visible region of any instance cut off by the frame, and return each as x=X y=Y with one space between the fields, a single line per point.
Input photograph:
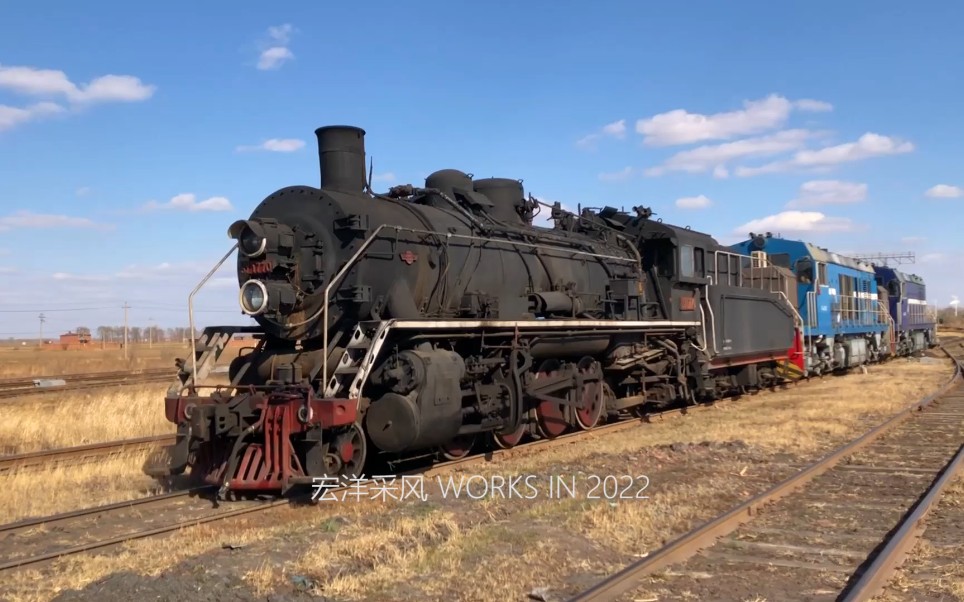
x=562 y=324
x=359 y=356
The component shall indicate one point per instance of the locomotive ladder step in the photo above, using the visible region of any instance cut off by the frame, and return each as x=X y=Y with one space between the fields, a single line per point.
x=356 y=361
x=208 y=349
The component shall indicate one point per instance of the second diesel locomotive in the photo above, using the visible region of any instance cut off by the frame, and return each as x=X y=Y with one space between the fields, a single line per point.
x=853 y=312
x=432 y=320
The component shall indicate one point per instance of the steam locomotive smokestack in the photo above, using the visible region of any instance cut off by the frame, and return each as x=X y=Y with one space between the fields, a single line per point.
x=341 y=154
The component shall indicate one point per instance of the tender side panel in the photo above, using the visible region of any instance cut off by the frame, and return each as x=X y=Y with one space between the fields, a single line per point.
x=750 y=323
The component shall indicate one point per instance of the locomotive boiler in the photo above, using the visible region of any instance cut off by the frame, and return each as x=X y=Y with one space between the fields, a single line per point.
x=431 y=320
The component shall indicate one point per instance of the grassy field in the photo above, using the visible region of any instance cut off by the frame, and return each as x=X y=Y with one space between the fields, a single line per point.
x=38 y=422
x=82 y=417
x=22 y=362
x=498 y=549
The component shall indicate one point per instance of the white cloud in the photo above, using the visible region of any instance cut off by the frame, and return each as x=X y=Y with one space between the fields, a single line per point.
x=828 y=192
x=384 y=177
x=682 y=127
x=716 y=156
x=79 y=277
x=281 y=33
x=50 y=82
x=274 y=57
x=932 y=257
x=276 y=52
x=7 y=270
x=11 y=117
x=913 y=240
x=83 y=191
x=617 y=176
x=153 y=290
x=693 y=202
x=28 y=219
x=945 y=191
x=616 y=129
x=276 y=145
x=163 y=271
x=797 y=221
x=867 y=146
x=189 y=202
x=814 y=106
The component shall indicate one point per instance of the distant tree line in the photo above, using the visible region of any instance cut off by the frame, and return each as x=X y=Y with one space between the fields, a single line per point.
x=138 y=334
x=947 y=316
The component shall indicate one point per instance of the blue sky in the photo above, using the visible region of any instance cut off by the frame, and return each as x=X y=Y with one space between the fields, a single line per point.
x=132 y=135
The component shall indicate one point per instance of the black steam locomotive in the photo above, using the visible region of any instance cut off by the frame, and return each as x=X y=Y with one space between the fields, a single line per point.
x=429 y=321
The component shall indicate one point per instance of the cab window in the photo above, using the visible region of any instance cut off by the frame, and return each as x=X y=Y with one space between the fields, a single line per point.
x=804 y=270
x=687 y=267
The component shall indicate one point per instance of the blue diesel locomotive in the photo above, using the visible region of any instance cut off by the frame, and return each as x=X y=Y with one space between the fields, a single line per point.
x=845 y=324
x=905 y=296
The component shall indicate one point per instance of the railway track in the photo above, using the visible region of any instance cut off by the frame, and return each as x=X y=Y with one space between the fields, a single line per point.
x=34 y=541
x=18 y=387
x=81 y=454
x=836 y=530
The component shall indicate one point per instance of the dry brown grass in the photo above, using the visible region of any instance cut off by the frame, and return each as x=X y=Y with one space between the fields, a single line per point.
x=31 y=362
x=32 y=493
x=801 y=419
x=74 y=572
x=500 y=549
x=82 y=417
x=359 y=559
x=932 y=572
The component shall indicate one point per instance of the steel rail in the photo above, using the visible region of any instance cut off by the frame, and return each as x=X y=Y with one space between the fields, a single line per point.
x=54 y=519
x=47 y=457
x=875 y=577
x=690 y=543
x=29 y=381
x=503 y=454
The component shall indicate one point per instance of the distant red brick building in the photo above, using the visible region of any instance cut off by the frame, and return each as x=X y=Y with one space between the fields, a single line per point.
x=73 y=340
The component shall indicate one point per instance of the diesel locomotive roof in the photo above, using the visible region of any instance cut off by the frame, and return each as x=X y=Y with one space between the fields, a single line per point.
x=829 y=257
x=889 y=273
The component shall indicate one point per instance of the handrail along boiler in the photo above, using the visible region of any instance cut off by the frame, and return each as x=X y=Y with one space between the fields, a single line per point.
x=431 y=321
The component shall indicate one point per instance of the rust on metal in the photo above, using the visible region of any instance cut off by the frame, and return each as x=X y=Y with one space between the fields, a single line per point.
x=898 y=547
x=706 y=535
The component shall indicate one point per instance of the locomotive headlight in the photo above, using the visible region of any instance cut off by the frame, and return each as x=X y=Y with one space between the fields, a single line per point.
x=253 y=297
x=250 y=236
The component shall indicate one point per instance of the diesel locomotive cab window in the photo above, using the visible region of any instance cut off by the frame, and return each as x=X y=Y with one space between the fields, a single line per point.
x=686 y=261
x=781 y=260
x=805 y=271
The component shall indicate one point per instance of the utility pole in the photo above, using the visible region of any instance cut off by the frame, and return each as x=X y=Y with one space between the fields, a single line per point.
x=42 y=320
x=150 y=333
x=126 y=307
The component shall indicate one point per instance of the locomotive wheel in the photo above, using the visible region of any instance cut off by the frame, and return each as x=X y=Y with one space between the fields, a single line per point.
x=457 y=448
x=550 y=416
x=352 y=450
x=591 y=395
x=507 y=440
